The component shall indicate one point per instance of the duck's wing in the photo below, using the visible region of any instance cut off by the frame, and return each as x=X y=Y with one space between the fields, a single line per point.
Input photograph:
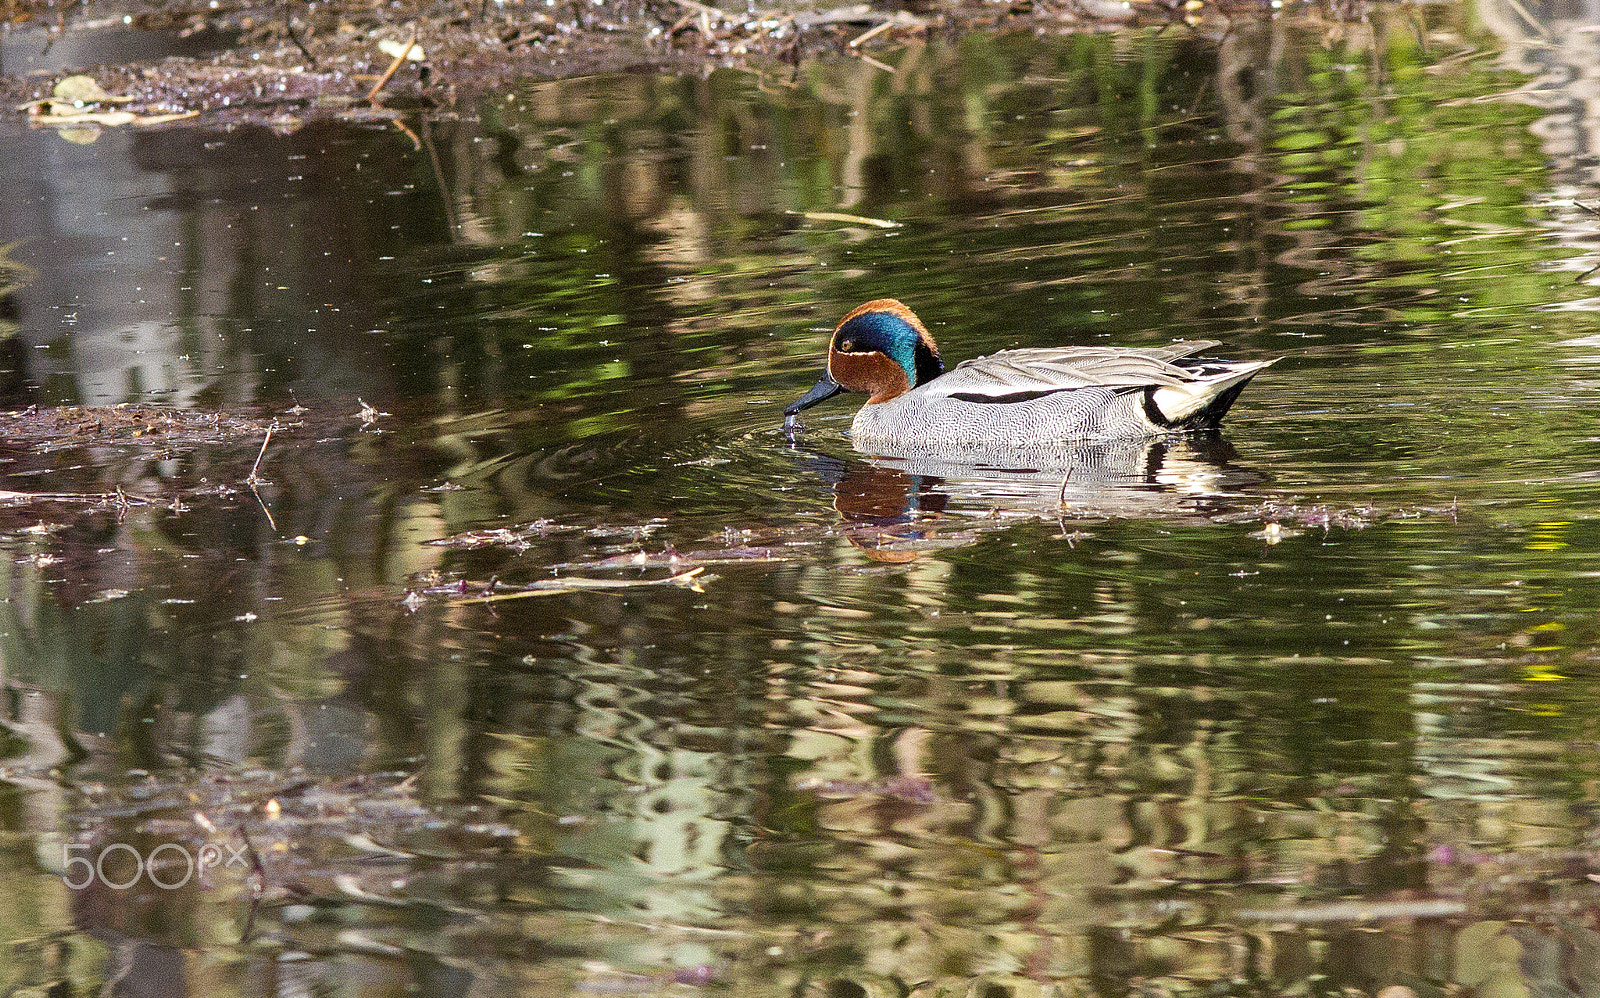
x=1053 y=369
x=1169 y=352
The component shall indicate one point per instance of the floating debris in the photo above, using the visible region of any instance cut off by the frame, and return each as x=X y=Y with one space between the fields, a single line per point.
x=73 y=97
x=518 y=538
x=1288 y=515
x=11 y=497
x=1275 y=532
x=51 y=429
x=551 y=587
x=917 y=789
x=835 y=216
x=500 y=537
x=369 y=415
x=468 y=591
x=670 y=558
x=1359 y=911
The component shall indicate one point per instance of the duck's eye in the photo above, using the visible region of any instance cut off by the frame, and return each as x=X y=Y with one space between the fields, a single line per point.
x=847 y=345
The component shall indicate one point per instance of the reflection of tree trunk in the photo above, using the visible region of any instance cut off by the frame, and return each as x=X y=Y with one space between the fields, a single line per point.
x=858 y=137
x=1247 y=61
x=36 y=721
x=1554 y=45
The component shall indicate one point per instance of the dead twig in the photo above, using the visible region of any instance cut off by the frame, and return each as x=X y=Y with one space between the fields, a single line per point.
x=394 y=67
x=263 y=504
x=835 y=216
x=253 y=480
x=869 y=60
x=288 y=25
x=552 y=587
x=872 y=32
x=118 y=497
x=416 y=142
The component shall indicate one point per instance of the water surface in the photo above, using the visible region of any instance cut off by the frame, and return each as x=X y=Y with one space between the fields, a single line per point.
x=913 y=729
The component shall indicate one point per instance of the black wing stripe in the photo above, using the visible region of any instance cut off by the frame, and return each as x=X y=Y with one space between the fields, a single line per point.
x=1041 y=393
x=1013 y=397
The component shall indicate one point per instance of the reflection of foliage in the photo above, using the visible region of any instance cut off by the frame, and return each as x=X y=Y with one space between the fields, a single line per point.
x=13 y=276
x=644 y=238
x=1424 y=159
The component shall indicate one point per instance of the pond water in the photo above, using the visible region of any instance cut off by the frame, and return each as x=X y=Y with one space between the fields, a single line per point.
x=1310 y=706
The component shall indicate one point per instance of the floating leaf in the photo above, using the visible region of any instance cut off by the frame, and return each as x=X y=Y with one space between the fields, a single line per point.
x=80 y=90
x=84 y=136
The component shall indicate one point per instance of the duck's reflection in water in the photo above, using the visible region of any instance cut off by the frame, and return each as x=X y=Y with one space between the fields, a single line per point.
x=892 y=515
x=899 y=504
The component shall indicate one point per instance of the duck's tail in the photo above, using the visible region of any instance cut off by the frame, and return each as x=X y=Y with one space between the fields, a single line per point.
x=1200 y=404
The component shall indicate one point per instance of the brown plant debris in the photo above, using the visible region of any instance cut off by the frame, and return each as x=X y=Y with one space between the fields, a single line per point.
x=43 y=430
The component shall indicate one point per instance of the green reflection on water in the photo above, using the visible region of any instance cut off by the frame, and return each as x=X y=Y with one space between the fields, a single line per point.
x=898 y=743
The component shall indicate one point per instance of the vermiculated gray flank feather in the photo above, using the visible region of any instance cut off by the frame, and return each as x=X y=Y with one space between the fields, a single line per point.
x=1022 y=398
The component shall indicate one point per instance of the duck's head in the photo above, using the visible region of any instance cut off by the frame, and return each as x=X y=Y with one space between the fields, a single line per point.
x=880 y=349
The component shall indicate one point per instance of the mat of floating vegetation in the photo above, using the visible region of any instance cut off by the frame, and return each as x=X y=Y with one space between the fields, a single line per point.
x=280 y=65
x=44 y=430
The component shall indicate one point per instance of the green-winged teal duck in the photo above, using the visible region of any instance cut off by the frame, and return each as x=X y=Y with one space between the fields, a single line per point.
x=1016 y=398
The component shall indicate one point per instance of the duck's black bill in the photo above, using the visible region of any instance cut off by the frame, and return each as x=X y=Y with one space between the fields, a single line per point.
x=826 y=388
